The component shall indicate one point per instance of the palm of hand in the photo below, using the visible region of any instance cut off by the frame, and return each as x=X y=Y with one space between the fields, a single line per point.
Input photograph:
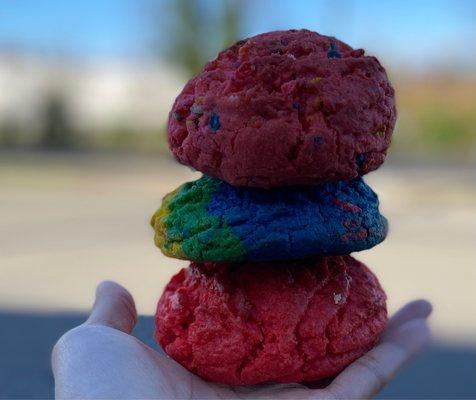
x=100 y=359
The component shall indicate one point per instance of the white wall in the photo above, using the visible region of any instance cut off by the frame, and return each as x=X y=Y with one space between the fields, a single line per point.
x=99 y=96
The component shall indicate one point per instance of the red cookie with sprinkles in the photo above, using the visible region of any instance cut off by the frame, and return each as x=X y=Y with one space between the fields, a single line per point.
x=285 y=108
x=289 y=321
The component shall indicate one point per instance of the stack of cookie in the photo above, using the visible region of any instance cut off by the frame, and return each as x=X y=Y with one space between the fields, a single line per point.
x=283 y=125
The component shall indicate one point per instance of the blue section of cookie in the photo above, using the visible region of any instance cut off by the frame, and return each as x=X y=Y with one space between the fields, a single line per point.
x=297 y=222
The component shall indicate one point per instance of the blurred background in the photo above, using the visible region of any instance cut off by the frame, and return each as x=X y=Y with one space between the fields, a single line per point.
x=85 y=89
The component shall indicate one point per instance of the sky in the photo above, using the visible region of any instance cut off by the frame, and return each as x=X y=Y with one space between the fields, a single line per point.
x=415 y=34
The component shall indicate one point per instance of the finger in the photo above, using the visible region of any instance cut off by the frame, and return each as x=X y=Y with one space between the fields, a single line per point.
x=412 y=310
x=114 y=307
x=366 y=376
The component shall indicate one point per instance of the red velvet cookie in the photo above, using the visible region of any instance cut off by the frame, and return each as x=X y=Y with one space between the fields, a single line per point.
x=244 y=324
x=285 y=108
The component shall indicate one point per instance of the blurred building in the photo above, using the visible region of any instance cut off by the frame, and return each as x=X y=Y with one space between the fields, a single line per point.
x=99 y=97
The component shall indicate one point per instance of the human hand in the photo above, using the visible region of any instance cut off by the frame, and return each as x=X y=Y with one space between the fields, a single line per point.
x=100 y=359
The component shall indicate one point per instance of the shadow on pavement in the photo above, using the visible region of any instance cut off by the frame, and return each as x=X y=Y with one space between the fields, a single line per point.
x=26 y=341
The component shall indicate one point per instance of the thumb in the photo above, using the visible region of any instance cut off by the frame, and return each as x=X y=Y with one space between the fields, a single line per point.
x=114 y=307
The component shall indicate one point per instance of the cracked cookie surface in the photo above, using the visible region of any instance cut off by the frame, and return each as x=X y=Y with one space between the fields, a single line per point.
x=210 y=220
x=285 y=108
x=244 y=324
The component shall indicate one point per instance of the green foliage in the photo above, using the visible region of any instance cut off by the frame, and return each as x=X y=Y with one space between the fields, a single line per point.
x=129 y=140
x=57 y=130
x=445 y=130
x=437 y=117
x=9 y=133
x=230 y=22
x=200 y=29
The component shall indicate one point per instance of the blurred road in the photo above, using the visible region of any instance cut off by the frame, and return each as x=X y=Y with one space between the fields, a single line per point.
x=439 y=372
x=70 y=220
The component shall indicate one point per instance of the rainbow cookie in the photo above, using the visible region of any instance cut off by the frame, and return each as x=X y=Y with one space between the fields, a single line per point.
x=210 y=220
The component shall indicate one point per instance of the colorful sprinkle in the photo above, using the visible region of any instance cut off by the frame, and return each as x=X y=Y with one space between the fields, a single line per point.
x=318 y=103
x=177 y=117
x=277 y=50
x=346 y=206
x=338 y=298
x=317 y=140
x=214 y=122
x=333 y=53
x=360 y=160
x=315 y=80
x=196 y=109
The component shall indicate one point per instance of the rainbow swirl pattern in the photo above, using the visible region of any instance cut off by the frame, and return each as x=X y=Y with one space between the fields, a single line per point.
x=210 y=220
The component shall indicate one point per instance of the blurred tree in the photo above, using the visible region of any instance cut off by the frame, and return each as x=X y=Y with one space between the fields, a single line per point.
x=57 y=130
x=200 y=29
x=230 y=22
x=9 y=133
x=184 y=48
